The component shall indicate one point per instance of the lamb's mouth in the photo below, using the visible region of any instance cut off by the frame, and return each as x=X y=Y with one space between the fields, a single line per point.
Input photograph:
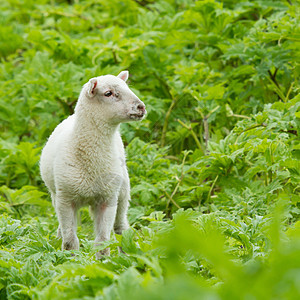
x=136 y=116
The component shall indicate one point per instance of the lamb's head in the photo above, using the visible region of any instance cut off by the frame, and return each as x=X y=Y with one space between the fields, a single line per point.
x=110 y=98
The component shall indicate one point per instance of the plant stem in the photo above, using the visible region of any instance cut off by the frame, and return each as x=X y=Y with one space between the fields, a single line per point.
x=115 y=56
x=277 y=89
x=289 y=91
x=192 y=132
x=254 y=126
x=178 y=183
x=240 y=116
x=205 y=125
x=165 y=127
x=211 y=189
x=206 y=133
x=172 y=200
x=212 y=111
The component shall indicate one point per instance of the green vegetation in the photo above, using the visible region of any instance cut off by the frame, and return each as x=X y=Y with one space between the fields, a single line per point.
x=214 y=167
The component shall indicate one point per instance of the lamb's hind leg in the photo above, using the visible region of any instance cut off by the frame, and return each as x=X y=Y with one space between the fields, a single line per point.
x=53 y=196
x=104 y=215
x=66 y=213
x=121 y=222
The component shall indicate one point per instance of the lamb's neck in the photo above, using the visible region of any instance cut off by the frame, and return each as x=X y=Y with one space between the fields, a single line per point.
x=90 y=134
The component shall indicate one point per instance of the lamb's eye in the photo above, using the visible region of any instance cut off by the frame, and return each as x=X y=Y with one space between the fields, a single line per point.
x=108 y=93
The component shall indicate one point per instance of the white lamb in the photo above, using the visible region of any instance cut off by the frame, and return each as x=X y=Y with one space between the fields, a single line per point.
x=83 y=162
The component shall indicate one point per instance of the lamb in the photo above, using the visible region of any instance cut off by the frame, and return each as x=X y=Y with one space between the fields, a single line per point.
x=83 y=161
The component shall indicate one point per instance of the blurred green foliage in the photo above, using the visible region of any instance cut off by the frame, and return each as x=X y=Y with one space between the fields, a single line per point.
x=214 y=167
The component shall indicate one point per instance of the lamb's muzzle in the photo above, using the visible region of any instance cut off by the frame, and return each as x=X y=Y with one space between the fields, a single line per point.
x=83 y=162
x=141 y=108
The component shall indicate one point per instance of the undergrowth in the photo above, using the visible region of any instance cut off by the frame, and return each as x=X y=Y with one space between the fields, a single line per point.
x=214 y=167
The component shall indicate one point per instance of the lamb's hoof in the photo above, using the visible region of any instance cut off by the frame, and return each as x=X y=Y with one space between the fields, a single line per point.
x=71 y=244
x=68 y=246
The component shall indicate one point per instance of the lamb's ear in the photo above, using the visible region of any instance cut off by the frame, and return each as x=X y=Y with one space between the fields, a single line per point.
x=92 y=84
x=124 y=75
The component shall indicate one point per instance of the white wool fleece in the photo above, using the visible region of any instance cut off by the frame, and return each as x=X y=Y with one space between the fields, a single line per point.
x=83 y=161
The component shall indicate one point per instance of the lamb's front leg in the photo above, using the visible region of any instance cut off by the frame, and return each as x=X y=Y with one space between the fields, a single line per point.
x=67 y=218
x=104 y=220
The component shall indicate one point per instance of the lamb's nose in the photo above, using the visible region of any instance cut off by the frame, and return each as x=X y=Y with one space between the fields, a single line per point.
x=141 y=107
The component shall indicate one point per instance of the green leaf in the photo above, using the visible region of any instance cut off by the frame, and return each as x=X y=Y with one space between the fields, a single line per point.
x=127 y=243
